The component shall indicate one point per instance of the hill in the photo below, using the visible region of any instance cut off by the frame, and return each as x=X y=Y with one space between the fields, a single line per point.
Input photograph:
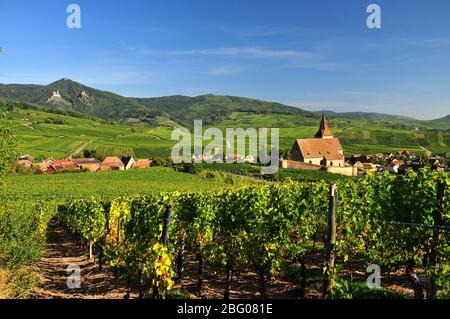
x=43 y=134
x=444 y=121
x=214 y=109
x=365 y=115
x=72 y=98
x=75 y=97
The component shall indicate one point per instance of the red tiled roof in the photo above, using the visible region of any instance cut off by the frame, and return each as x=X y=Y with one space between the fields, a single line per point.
x=142 y=164
x=80 y=161
x=397 y=162
x=64 y=165
x=319 y=148
x=112 y=161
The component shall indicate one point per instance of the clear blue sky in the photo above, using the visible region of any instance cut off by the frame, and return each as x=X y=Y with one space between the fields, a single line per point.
x=312 y=54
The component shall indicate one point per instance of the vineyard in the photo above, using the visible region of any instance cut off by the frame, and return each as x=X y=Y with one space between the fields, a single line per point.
x=400 y=223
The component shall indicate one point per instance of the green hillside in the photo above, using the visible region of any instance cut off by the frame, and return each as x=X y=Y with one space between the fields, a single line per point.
x=44 y=134
x=213 y=109
x=442 y=122
x=77 y=99
x=96 y=103
x=115 y=125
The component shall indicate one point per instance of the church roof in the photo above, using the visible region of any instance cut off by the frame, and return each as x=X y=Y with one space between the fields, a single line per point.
x=323 y=131
x=318 y=148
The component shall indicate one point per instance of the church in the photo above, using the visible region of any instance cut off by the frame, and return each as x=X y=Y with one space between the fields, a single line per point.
x=324 y=149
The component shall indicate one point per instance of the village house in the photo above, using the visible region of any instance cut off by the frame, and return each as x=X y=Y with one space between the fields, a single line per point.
x=88 y=164
x=128 y=161
x=395 y=165
x=142 y=164
x=112 y=163
x=324 y=149
x=25 y=163
x=63 y=166
x=46 y=169
x=26 y=157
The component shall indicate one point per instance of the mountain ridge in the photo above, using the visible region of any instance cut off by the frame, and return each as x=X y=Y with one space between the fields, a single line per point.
x=78 y=98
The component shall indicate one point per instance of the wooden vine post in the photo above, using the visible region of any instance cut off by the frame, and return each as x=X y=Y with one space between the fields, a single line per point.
x=330 y=241
x=91 y=254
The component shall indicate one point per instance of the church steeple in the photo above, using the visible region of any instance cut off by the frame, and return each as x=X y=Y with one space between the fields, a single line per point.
x=324 y=131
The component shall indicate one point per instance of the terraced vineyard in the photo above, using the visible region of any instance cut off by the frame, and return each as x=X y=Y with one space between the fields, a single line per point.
x=42 y=139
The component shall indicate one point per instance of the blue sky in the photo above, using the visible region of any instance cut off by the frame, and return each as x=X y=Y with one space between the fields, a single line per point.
x=312 y=54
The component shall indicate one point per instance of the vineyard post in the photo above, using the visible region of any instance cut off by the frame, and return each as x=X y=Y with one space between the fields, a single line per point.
x=330 y=240
x=438 y=220
x=91 y=255
x=165 y=232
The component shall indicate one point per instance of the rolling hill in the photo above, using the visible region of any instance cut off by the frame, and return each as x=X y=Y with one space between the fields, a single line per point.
x=213 y=109
x=365 y=115
x=82 y=117
x=443 y=122
x=43 y=134
x=75 y=98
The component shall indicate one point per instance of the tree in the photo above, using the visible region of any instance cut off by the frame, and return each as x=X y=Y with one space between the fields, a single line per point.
x=8 y=152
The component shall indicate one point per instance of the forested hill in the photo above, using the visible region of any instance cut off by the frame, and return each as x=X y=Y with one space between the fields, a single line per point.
x=69 y=97
x=94 y=102
x=214 y=108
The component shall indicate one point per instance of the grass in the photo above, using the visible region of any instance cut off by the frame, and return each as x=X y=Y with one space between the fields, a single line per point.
x=110 y=184
x=22 y=240
x=362 y=291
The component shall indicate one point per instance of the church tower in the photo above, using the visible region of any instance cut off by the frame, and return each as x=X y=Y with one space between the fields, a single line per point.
x=324 y=131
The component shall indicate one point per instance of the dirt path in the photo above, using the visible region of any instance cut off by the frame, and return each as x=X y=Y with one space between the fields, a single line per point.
x=427 y=152
x=80 y=148
x=60 y=252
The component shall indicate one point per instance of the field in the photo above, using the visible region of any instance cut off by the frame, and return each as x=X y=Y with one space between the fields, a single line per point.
x=109 y=184
x=40 y=137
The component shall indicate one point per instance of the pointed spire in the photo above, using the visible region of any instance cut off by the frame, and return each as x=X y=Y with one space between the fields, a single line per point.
x=324 y=131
